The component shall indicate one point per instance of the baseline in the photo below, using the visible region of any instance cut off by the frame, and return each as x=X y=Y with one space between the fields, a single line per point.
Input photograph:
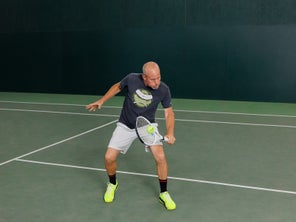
x=170 y=177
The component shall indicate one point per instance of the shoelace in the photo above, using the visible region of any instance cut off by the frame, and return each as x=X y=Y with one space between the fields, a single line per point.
x=110 y=188
x=167 y=197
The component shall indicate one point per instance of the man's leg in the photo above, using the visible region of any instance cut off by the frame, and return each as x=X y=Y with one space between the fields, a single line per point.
x=120 y=142
x=160 y=160
x=110 y=160
x=162 y=171
x=110 y=165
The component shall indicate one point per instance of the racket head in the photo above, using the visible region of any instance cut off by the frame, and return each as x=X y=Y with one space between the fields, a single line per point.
x=148 y=138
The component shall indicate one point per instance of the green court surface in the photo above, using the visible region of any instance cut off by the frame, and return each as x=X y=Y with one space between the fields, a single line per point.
x=232 y=161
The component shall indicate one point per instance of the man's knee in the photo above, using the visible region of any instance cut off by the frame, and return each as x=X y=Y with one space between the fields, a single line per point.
x=159 y=156
x=111 y=155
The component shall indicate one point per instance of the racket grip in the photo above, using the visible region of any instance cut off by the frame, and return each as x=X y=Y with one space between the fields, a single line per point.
x=165 y=139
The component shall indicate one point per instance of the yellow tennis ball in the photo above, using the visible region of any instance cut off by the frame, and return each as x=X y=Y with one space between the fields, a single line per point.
x=150 y=129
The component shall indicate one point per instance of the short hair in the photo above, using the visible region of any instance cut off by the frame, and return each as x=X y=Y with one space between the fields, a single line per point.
x=150 y=64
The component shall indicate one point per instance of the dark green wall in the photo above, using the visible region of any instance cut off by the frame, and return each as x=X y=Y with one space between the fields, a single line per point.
x=207 y=49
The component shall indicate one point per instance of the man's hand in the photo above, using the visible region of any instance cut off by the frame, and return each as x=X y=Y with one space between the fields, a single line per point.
x=94 y=106
x=171 y=139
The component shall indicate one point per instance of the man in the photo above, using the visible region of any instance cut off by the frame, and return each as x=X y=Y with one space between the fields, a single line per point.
x=143 y=94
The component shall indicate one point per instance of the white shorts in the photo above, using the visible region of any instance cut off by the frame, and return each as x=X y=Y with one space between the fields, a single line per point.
x=123 y=137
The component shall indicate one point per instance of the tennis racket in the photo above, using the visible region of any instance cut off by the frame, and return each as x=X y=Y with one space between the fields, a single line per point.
x=148 y=132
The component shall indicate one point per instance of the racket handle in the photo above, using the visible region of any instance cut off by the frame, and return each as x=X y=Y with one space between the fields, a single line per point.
x=165 y=139
x=147 y=149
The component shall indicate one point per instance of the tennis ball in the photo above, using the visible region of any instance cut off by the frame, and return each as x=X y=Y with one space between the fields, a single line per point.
x=150 y=129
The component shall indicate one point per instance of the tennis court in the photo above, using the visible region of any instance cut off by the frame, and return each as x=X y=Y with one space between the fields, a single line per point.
x=232 y=161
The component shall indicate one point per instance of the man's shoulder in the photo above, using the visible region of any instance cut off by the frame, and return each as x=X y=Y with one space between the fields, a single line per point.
x=134 y=75
x=164 y=85
x=131 y=78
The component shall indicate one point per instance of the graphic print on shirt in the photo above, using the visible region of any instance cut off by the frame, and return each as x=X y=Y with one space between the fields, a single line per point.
x=142 y=98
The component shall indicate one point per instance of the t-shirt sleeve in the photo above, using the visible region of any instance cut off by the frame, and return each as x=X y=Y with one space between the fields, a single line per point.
x=124 y=82
x=167 y=100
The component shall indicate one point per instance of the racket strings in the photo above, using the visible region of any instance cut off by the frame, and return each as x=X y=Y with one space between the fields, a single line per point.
x=146 y=137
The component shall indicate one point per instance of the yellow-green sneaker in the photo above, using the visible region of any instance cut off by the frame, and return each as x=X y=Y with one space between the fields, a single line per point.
x=167 y=201
x=110 y=192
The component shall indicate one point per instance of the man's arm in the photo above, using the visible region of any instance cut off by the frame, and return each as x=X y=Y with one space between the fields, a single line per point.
x=170 y=124
x=115 y=89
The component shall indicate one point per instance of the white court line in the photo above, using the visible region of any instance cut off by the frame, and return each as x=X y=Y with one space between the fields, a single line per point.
x=237 y=123
x=176 y=110
x=54 y=104
x=41 y=103
x=58 y=112
x=235 y=113
x=181 y=120
x=173 y=178
x=59 y=142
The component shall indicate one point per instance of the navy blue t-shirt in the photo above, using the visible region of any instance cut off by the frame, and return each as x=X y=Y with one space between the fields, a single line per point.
x=141 y=100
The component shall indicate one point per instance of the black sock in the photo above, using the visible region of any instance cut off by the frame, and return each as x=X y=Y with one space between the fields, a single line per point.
x=163 y=185
x=112 y=179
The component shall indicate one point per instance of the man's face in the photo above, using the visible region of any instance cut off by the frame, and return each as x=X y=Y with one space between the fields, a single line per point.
x=152 y=79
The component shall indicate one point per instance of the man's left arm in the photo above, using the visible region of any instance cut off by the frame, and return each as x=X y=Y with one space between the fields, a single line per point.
x=170 y=124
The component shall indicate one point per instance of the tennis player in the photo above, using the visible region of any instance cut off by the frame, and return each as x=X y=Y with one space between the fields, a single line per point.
x=144 y=91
